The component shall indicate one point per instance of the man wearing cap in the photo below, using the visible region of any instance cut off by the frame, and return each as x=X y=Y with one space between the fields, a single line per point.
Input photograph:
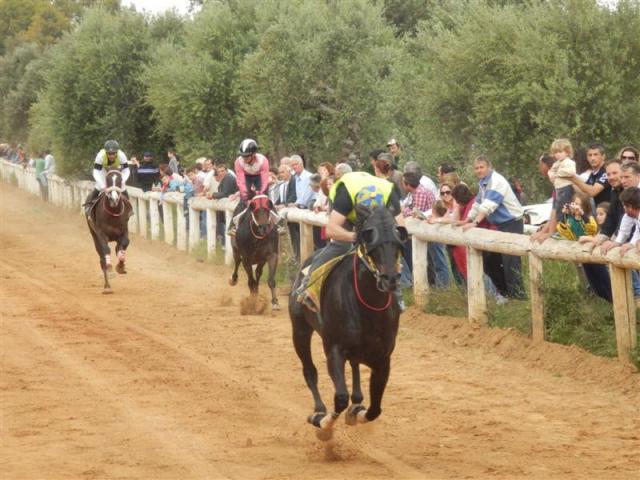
x=147 y=172
x=395 y=149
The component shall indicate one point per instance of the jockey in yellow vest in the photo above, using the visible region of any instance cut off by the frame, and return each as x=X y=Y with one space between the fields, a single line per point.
x=109 y=158
x=355 y=188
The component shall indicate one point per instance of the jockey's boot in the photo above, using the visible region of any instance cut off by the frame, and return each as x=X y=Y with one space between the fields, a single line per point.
x=231 y=231
x=301 y=292
x=282 y=226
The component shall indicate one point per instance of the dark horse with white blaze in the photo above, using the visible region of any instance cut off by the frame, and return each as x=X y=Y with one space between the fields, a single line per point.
x=256 y=243
x=358 y=319
x=108 y=222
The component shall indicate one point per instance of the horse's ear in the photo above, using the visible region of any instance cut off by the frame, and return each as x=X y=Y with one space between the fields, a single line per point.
x=370 y=236
x=271 y=205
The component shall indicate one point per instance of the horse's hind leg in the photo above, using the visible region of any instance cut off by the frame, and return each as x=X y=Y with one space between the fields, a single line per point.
x=302 y=333
x=356 y=395
x=234 y=276
x=273 y=265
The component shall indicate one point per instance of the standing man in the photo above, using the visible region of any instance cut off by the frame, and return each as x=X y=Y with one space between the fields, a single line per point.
x=301 y=179
x=395 y=149
x=227 y=186
x=498 y=204
x=174 y=161
x=148 y=173
x=596 y=185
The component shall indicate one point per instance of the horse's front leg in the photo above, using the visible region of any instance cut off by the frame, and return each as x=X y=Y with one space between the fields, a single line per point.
x=377 y=384
x=302 y=333
x=121 y=248
x=273 y=265
x=335 y=365
x=253 y=285
x=259 y=269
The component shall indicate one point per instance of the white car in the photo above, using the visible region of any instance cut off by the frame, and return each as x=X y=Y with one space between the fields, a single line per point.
x=536 y=215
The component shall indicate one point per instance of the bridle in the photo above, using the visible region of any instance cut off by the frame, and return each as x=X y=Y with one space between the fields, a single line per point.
x=259 y=201
x=113 y=188
x=362 y=254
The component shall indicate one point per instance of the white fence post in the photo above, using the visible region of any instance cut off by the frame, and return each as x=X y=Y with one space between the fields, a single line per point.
x=420 y=265
x=154 y=215
x=624 y=311
x=477 y=298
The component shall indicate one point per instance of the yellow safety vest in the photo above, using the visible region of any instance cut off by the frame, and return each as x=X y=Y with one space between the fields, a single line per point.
x=364 y=189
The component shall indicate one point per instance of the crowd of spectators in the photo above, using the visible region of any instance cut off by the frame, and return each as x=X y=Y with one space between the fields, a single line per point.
x=588 y=202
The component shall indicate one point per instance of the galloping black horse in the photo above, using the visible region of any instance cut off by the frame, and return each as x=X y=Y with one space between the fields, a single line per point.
x=108 y=222
x=358 y=319
x=256 y=243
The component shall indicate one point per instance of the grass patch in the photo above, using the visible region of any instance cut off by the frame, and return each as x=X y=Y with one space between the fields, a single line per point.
x=573 y=316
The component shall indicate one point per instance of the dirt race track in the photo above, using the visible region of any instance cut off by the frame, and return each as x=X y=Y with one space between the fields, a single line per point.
x=165 y=379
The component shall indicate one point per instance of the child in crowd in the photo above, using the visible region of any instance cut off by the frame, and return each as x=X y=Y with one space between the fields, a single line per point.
x=601 y=215
x=439 y=213
x=561 y=173
x=578 y=221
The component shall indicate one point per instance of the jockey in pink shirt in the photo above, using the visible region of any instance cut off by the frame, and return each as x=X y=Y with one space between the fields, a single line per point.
x=252 y=174
x=252 y=169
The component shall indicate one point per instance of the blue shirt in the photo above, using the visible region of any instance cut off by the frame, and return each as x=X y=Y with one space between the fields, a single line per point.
x=303 y=188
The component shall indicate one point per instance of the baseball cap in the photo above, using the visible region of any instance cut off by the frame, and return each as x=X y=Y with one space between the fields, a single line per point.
x=392 y=141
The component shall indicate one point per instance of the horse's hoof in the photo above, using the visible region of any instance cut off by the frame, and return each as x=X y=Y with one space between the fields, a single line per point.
x=275 y=306
x=233 y=282
x=107 y=291
x=322 y=420
x=120 y=269
x=353 y=414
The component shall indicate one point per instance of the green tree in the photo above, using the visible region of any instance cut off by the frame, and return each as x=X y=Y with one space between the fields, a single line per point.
x=93 y=89
x=507 y=80
x=191 y=86
x=313 y=84
x=13 y=68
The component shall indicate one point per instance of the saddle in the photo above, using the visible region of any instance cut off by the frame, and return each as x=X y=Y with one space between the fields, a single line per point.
x=316 y=279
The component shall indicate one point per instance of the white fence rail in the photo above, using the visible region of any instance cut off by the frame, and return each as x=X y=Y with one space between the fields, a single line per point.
x=185 y=234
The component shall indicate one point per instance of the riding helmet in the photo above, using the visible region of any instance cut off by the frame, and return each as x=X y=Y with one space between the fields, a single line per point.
x=248 y=147
x=111 y=146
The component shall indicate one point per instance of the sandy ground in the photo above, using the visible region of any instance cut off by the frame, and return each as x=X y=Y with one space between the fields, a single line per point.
x=164 y=379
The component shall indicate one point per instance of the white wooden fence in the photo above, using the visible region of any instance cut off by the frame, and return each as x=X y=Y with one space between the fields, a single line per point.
x=70 y=195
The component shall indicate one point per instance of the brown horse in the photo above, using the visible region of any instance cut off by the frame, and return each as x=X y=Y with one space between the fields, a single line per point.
x=256 y=243
x=108 y=221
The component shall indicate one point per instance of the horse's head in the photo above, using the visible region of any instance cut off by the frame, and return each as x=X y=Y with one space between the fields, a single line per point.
x=113 y=189
x=261 y=207
x=379 y=240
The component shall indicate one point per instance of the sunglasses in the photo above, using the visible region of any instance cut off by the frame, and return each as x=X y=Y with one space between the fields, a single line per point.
x=628 y=157
x=445 y=192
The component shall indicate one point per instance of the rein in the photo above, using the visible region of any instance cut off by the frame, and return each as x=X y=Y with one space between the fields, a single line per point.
x=110 y=212
x=357 y=288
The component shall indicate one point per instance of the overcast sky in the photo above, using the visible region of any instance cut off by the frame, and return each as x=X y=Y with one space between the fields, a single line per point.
x=158 y=6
